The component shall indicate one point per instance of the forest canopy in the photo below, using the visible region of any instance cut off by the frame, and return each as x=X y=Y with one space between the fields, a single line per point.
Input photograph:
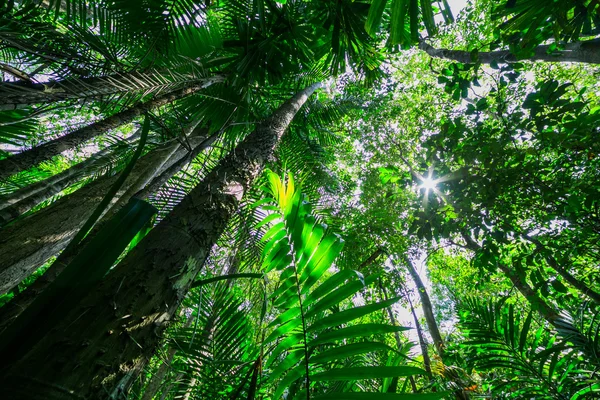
x=299 y=199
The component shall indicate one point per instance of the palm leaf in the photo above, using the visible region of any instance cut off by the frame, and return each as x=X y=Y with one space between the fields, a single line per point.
x=306 y=358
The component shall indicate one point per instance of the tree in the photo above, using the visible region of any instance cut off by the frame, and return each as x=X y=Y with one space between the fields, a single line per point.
x=29 y=158
x=491 y=170
x=583 y=52
x=29 y=242
x=198 y=222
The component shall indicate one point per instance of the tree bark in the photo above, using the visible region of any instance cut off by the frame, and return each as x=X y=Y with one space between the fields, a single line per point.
x=17 y=203
x=29 y=158
x=28 y=243
x=22 y=300
x=580 y=52
x=18 y=94
x=427 y=309
x=390 y=313
x=117 y=327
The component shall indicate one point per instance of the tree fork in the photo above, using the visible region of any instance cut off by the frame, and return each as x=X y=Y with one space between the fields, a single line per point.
x=116 y=328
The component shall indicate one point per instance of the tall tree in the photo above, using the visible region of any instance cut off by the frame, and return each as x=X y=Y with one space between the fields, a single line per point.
x=29 y=158
x=23 y=299
x=164 y=264
x=432 y=325
x=29 y=242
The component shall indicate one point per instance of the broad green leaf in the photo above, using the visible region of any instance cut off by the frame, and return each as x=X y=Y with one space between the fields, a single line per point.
x=350 y=332
x=338 y=295
x=343 y=317
x=330 y=283
x=355 y=373
x=288 y=379
x=291 y=341
x=266 y=220
x=374 y=17
x=349 y=350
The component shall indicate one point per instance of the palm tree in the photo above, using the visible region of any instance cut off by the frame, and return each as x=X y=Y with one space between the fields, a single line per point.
x=29 y=158
x=165 y=263
x=29 y=242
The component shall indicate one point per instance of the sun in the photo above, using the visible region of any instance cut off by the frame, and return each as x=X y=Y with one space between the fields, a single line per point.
x=428 y=183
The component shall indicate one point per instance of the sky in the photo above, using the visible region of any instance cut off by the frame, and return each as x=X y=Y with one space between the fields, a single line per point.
x=457 y=5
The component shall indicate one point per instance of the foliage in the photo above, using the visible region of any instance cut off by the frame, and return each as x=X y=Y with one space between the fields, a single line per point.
x=485 y=174
x=535 y=363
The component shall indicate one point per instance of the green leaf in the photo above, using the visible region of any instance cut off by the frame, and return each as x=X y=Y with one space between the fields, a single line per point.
x=355 y=373
x=349 y=350
x=343 y=317
x=374 y=17
x=362 y=330
x=559 y=286
x=338 y=295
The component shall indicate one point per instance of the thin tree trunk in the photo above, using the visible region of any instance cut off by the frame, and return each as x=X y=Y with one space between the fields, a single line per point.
x=427 y=309
x=573 y=281
x=536 y=302
x=28 y=243
x=22 y=300
x=372 y=258
x=580 y=52
x=17 y=203
x=168 y=173
x=390 y=313
x=117 y=327
x=18 y=94
x=422 y=342
x=29 y=158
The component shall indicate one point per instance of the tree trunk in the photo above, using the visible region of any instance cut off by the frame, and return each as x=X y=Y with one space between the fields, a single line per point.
x=17 y=203
x=22 y=300
x=28 y=243
x=14 y=95
x=113 y=331
x=29 y=158
x=427 y=309
x=572 y=280
x=536 y=302
x=422 y=343
x=390 y=313
x=580 y=52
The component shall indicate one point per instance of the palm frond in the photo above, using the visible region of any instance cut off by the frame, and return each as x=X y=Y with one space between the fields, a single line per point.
x=310 y=343
x=536 y=364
